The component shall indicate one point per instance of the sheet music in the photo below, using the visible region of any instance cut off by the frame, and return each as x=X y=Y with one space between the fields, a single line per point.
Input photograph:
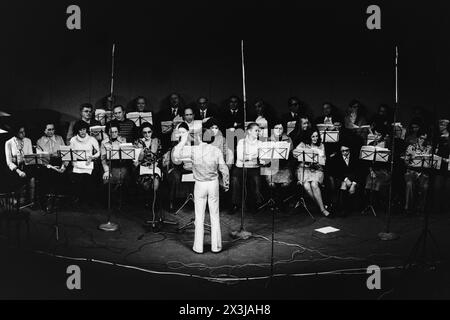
x=143 y=170
x=187 y=177
x=140 y=117
x=309 y=156
x=274 y=150
x=290 y=126
x=103 y=116
x=76 y=155
x=372 y=153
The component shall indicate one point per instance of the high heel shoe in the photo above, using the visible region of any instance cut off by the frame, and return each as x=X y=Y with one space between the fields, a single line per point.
x=326 y=213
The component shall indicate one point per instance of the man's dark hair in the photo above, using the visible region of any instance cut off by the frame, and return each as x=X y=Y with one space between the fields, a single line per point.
x=79 y=125
x=119 y=106
x=86 y=105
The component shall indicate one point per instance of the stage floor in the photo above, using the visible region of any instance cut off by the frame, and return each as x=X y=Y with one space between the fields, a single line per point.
x=134 y=262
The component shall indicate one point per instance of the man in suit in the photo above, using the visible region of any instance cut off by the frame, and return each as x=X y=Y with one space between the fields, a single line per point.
x=174 y=110
x=328 y=116
x=344 y=170
x=204 y=110
x=294 y=110
x=233 y=117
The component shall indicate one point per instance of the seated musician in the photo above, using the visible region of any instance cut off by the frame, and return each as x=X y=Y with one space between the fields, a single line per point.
x=176 y=171
x=262 y=116
x=311 y=175
x=171 y=112
x=116 y=172
x=52 y=177
x=279 y=172
x=301 y=126
x=354 y=118
x=127 y=127
x=205 y=110
x=247 y=159
x=81 y=176
x=215 y=137
x=416 y=178
x=150 y=178
x=233 y=117
x=379 y=175
x=294 y=110
x=86 y=115
x=15 y=150
x=329 y=116
x=442 y=178
x=412 y=132
x=344 y=170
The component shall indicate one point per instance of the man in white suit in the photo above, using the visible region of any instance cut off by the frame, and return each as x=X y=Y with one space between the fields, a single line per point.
x=207 y=162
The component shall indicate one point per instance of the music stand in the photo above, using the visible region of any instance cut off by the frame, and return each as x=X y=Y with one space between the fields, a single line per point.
x=125 y=153
x=95 y=131
x=140 y=117
x=270 y=151
x=373 y=154
x=161 y=219
x=305 y=156
x=103 y=116
x=35 y=160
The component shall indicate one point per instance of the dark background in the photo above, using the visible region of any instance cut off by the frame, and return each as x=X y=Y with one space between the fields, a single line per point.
x=317 y=51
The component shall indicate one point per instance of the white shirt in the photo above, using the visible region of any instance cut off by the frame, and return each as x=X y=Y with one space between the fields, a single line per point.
x=90 y=145
x=50 y=144
x=251 y=153
x=15 y=149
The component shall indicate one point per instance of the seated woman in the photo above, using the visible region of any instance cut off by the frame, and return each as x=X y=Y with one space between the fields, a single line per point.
x=310 y=175
x=15 y=150
x=81 y=176
x=279 y=172
x=213 y=134
x=116 y=172
x=148 y=175
x=301 y=126
x=379 y=175
x=416 y=178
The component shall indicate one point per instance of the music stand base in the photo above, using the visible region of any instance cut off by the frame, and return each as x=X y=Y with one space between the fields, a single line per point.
x=241 y=234
x=109 y=226
x=387 y=236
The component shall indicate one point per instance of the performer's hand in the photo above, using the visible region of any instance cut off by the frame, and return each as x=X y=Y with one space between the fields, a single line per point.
x=135 y=163
x=225 y=189
x=62 y=169
x=106 y=176
x=21 y=173
x=88 y=161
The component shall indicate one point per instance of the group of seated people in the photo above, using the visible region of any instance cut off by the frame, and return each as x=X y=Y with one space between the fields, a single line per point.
x=335 y=182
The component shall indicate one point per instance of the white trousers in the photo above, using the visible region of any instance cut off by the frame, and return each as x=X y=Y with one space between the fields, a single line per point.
x=207 y=191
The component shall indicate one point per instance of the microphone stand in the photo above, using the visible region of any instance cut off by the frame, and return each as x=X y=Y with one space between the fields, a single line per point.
x=242 y=233
x=388 y=234
x=110 y=226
